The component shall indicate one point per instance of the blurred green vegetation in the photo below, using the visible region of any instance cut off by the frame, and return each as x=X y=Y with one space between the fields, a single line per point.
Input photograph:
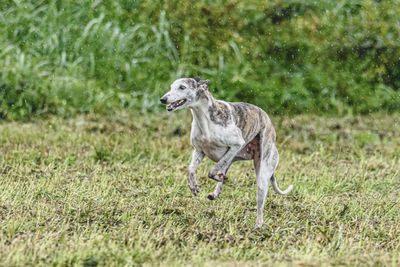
x=64 y=57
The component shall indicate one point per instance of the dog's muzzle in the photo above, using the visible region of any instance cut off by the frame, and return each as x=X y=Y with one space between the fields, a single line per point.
x=163 y=100
x=176 y=104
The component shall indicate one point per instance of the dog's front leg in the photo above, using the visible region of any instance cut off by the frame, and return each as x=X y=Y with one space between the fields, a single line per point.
x=197 y=157
x=213 y=195
x=224 y=163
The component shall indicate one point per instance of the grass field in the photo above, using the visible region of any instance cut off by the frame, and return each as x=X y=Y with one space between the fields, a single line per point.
x=111 y=190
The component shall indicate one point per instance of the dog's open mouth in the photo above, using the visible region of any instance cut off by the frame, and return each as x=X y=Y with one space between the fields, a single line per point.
x=176 y=104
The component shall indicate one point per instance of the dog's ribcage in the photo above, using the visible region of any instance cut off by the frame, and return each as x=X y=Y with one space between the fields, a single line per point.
x=214 y=133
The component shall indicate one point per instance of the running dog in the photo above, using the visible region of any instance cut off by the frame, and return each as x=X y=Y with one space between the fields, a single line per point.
x=226 y=132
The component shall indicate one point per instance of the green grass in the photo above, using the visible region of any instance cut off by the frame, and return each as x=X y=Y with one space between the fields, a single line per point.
x=111 y=190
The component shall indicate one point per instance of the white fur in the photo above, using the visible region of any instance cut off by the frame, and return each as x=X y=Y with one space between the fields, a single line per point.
x=223 y=141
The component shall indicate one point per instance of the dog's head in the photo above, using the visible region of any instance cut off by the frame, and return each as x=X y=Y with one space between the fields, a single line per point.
x=184 y=93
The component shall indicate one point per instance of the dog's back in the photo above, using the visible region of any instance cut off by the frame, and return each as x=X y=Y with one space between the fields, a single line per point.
x=249 y=118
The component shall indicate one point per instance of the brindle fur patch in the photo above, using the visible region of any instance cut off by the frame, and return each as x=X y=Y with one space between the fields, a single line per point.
x=203 y=84
x=219 y=113
x=248 y=118
x=191 y=83
x=200 y=94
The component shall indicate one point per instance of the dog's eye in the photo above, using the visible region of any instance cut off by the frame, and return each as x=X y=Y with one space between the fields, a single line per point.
x=182 y=87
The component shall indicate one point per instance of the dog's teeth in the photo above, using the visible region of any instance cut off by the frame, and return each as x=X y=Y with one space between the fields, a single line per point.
x=176 y=104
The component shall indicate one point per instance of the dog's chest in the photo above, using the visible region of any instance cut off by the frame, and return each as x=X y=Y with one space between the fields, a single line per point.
x=213 y=140
x=214 y=149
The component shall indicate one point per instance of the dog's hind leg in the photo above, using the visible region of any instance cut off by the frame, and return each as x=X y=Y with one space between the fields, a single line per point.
x=265 y=162
x=265 y=167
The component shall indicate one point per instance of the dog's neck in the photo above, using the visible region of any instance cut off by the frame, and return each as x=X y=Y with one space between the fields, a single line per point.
x=200 y=112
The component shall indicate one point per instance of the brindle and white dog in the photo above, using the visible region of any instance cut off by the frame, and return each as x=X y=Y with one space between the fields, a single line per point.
x=226 y=132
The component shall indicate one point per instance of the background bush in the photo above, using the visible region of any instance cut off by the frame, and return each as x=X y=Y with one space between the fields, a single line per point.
x=323 y=56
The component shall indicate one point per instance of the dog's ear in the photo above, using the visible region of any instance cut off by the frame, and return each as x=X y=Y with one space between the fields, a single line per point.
x=203 y=84
x=197 y=79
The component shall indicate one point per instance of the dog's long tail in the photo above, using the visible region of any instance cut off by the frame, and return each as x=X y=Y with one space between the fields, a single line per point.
x=276 y=188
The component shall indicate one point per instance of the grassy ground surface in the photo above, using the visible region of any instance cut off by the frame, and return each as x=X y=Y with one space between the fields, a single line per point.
x=290 y=56
x=97 y=190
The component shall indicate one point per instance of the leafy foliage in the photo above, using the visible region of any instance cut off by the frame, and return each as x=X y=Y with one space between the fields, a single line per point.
x=286 y=56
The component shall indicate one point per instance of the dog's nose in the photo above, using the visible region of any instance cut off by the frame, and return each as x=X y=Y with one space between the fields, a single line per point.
x=163 y=100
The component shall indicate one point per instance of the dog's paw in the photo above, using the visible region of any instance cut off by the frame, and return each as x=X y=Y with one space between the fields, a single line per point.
x=192 y=183
x=259 y=222
x=211 y=196
x=212 y=173
x=220 y=177
x=194 y=189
